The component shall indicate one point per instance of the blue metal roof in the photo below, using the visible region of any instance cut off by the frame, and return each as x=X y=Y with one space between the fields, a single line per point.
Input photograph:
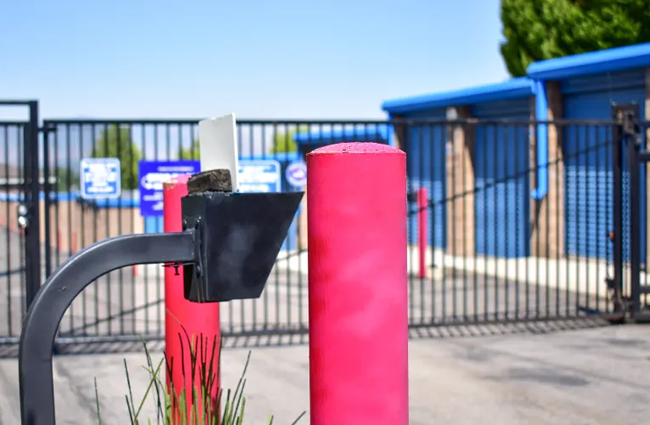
x=617 y=59
x=358 y=134
x=514 y=88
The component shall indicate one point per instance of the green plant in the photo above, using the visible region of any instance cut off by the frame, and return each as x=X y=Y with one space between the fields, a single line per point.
x=175 y=407
x=536 y=30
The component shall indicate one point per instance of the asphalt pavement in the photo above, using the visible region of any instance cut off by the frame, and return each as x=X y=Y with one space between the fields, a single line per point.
x=596 y=376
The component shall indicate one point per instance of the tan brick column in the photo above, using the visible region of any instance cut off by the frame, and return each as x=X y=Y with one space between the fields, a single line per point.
x=461 y=229
x=399 y=133
x=547 y=214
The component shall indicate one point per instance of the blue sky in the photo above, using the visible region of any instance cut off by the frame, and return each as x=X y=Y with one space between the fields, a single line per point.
x=259 y=59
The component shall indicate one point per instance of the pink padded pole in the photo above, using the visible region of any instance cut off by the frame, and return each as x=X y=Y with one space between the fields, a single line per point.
x=197 y=319
x=358 y=303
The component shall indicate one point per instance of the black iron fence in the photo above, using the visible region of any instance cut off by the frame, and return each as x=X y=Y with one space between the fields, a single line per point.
x=128 y=304
x=513 y=221
x=508 y=221
x=512 y=234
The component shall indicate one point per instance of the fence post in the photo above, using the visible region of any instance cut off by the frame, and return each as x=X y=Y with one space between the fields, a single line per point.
x=422 y=231
x=183 y=318
x=358 y=303
x=631 y=146
x=617 y=166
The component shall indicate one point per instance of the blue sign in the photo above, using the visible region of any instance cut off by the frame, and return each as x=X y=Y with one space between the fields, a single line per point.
x=297 y=173
x=100 y=178
x=262 y=175
x=253 y=176
x=152 y=176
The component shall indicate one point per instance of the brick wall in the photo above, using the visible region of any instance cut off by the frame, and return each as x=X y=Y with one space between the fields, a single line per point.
x=460 y=187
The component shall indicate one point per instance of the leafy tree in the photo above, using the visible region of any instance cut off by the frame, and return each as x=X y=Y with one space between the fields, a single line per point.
x=116 y=142
x=283 y=140
x=189 y=153
x=544 y=29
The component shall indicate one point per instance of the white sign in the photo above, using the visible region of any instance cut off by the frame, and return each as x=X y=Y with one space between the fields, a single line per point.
x=259 y=176
x=100 y=178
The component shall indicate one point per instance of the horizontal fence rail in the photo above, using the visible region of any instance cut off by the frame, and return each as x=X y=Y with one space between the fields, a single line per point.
x=499 y=228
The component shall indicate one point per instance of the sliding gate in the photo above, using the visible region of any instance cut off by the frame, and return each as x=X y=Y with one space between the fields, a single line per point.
x=527 y=275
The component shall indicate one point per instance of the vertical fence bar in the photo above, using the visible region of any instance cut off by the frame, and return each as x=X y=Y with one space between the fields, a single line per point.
x=120 y=273
x=422 y=232
x=146 y=277
x=455 y=130
x=425 y=178
x=59 y=185
x=644 y=176
x=184 y=319
x=8 y=233
x=558 y=212
x=599 y=202
x=276 y=134
x=32 y=201
x=47 y=202
x=20 y=152
x=351 y=352
x=584 y=147
x=484 y=222
x=300 y=229
x=82 y=231
x=634 y=196
x=618 y=205
x=434 y=206
x=410 y=144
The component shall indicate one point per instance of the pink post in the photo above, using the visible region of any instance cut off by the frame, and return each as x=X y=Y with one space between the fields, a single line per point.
x=198 y=320
x=358 y=303
x=422 y=231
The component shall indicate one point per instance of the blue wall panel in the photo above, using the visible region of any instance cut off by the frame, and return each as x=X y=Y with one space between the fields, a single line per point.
x=426 y=157
x=501 y=175
x=588 y=168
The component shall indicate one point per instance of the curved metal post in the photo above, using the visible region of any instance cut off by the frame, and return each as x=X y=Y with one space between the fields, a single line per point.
x=60 y=290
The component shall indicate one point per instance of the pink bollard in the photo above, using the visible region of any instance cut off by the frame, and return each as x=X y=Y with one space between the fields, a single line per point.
x=358 y=302
x=197 y=319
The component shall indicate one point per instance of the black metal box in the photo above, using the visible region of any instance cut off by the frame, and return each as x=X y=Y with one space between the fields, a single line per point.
x=237 y=239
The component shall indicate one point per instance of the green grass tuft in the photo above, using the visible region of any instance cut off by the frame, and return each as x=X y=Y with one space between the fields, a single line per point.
x=173 y=405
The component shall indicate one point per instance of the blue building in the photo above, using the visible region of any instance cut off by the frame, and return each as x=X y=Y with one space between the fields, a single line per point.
x=585 y=87
x=494 y=158
x=433 y=146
